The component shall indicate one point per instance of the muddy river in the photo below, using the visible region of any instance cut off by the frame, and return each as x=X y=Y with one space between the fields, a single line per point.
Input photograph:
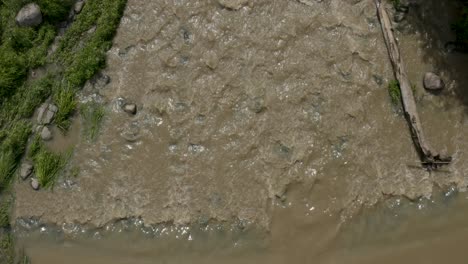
x=264 y=132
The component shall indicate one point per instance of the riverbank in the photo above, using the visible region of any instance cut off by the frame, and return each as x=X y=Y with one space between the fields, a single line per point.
x=33 y=72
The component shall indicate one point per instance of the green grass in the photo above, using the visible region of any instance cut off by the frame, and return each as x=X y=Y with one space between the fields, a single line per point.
x=7 y=248
x=394 y=92
x=12 y=148
x=64 y=98
x=32 y=95
x=55 y=10
x=7 y=168
x=35 y=146
x=85 y=60
x=93 y=114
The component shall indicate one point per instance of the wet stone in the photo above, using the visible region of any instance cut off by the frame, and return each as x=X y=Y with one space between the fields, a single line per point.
x=433 y=82
x=233 y=4
x=130 y=108
x=29 y=16
x=35 y=184
x=46 y=113
x=25 y=170
x=100 y=80
x=46 y=134
x=78 y=6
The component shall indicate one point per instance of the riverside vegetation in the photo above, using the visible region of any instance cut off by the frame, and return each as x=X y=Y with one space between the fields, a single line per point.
x=80 y=54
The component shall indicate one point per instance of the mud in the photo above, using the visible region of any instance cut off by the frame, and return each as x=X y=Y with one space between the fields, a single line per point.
x=239 y=109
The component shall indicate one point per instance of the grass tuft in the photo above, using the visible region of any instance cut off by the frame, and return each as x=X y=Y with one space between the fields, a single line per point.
x=7 y=248
x=48 y=166
x=93 y=114
x=64 y=97
x=7 y=168
x=394 y=92
x=5 y=213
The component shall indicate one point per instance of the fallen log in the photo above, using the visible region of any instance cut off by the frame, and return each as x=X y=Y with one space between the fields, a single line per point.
x=429 y=157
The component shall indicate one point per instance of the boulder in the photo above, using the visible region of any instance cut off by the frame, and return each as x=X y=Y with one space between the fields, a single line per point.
x=35 y=184
x=25 y=170
x=29 y=16
x=433 y=82
x=46 y=134
x=130 y=108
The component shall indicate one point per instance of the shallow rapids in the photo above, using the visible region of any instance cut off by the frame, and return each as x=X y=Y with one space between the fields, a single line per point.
x=275 y=116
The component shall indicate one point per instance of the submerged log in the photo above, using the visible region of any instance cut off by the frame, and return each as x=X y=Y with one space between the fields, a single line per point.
x=429 y=157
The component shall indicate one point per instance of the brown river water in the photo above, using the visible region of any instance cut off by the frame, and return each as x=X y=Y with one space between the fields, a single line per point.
x=264 y=133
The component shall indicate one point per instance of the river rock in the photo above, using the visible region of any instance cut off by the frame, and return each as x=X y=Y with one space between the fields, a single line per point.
x=433 y=82
x=46 y=113
x=25 y=170
x=46 y=134
x=29 y=16
x=233 y=4
x=35 y=184
x=78 y=6
x=130 y=108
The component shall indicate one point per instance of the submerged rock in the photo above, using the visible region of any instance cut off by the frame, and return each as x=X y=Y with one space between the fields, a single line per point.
x=233 y=4
x=130 y=108
x=130 y=132
x=433 y=82
x=46 y=134
x=100 y=80
x=257 y=104
x=25 y=170
x=29 y=16
x=46 y=113
x=35 y=184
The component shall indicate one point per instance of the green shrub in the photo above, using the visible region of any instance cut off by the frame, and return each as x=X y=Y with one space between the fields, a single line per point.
x=22 y=38
x=55 y=10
